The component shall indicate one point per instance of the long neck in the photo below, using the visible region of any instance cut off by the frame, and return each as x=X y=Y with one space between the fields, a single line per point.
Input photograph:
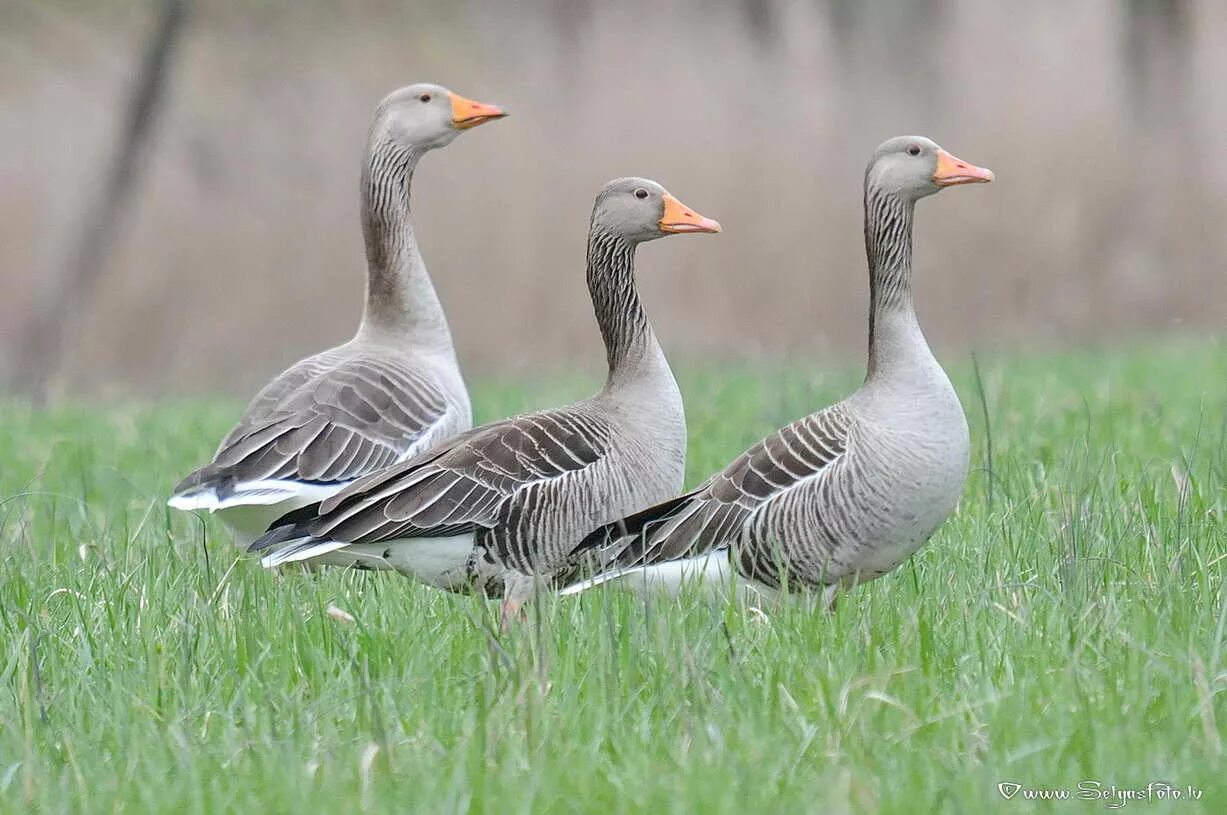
x=401 y=304
x=894 y=333
x=630 y=344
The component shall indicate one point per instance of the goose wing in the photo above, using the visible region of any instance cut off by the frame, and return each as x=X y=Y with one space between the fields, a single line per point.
x=710 y=517
x=330 y=418
x=466 y=482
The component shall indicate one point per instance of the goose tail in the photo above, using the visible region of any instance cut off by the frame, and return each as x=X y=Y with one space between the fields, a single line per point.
x=289 y=539
x=617 y=549
x=214 y=488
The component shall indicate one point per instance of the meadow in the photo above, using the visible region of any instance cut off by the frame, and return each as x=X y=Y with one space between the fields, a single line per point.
x=1066 y=625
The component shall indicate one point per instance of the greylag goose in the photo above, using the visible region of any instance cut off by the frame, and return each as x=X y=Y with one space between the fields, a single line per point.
x=392 y=391
x=843 y=495
x=502 y=505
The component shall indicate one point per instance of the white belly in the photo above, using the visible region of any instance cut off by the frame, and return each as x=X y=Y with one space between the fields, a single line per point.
x=439 y=562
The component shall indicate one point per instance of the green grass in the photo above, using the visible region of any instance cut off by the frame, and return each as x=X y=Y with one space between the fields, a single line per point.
x=1066 y=624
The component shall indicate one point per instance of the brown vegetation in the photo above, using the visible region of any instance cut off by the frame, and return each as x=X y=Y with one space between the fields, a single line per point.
x=243 y=251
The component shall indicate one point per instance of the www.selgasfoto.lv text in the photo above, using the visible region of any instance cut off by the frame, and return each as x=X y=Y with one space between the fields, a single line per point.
x=1112 y=795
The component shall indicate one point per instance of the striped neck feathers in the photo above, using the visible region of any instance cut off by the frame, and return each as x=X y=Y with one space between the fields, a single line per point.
x=894 y=334
x=615 y=300
x=401 y=303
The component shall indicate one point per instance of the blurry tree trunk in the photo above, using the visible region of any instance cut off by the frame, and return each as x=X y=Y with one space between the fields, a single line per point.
x=760 y=18
x=60 y=304
x=1148 y=231
x=897 y=37
x=1158 y=55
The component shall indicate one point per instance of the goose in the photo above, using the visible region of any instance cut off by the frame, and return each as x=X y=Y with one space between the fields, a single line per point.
x=393 y=390
x=840 y=496
x=502 y=505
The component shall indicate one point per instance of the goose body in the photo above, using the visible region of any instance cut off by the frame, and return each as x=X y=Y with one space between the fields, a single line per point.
x=845 y=494
x=507 y=502
x=327 y=420
x=392 y=391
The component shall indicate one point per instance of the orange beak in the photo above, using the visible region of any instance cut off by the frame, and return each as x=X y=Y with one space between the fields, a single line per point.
x=951 y=171
x=680 y=218
x=466 y=113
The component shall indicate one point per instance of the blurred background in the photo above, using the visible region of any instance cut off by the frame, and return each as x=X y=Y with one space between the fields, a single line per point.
x=223 y=243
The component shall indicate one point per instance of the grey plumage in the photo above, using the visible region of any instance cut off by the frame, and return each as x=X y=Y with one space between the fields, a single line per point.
x=518 y=494
x=490 y=478
x=393 y=390
x=333 y=417
x=847 y=493
x=721 y=508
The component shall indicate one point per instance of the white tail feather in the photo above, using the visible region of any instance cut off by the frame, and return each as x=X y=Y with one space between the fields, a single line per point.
x=263 y=493
x=193 y=501
x=708 y=571
x=294 y=551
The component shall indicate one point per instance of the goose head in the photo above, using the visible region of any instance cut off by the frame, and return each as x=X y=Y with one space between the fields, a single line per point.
x=913 y=167
x=638 y=210
x=428 y=116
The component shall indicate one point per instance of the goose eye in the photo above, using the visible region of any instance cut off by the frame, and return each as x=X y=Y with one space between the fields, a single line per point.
x=641 y=193
x=424 y=97
x=914 y=150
